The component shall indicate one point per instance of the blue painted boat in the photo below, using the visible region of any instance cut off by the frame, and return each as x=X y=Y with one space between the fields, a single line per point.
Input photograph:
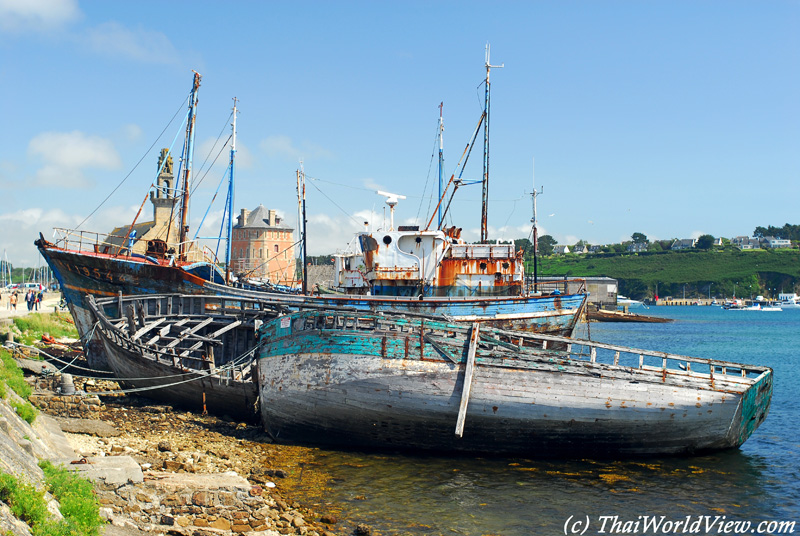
x=381 y=381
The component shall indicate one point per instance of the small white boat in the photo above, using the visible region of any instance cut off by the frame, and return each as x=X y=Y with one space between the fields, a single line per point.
x=624 y=300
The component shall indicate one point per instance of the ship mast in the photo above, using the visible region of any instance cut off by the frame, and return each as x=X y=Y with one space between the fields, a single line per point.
x=485 y=196
x=229 y=206
x=441 y=161
x=535 y=230
x=301 y=205
x=184 y=231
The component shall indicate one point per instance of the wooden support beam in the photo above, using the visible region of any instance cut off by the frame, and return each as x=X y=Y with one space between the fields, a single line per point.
x=190 y=331
x=441 y=349
x=212 y=336
x=468 y=371
x=147 y=327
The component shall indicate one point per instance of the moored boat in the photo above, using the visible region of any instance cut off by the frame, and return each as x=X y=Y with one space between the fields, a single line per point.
x=194 y=352
x=380 y=381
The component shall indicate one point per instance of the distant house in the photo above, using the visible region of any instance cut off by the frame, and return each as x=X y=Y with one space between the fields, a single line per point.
x=560 y=250
x=580 y=250
x=634 y=247
x=775 y=243
x=683 y=243
x=595 y=249
x=746 y=242
x=718 y=242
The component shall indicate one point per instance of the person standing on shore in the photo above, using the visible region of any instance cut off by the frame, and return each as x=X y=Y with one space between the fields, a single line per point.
x=29 y=297
x=12 y=301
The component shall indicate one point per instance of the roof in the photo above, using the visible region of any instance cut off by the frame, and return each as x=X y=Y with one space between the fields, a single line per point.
x=259 y=219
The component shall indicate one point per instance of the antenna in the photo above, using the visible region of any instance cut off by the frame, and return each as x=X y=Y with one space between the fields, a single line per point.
x=391 y=200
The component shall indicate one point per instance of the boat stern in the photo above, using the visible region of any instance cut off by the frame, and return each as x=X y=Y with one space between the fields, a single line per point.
x=753 y=409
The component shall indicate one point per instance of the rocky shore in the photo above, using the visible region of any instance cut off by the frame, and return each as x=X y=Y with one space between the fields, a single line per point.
x=159 y=470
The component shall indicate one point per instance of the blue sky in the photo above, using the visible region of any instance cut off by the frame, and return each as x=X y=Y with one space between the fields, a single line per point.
x=669 y=118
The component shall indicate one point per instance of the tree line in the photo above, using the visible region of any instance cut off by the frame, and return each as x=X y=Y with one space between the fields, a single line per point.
x=547 y=243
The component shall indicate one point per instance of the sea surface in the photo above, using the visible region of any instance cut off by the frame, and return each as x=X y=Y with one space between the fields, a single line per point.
x=402 y=494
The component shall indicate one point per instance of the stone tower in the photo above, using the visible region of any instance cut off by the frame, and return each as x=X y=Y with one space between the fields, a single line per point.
x=165 y=196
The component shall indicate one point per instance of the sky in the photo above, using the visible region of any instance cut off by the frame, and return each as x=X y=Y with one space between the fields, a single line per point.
x=670 y=118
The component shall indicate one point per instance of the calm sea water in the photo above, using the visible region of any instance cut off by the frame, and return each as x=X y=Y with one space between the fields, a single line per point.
x=427 y=495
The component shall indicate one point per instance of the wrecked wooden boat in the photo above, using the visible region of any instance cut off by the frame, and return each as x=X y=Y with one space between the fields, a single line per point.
x=194 y=352
x=379 y=381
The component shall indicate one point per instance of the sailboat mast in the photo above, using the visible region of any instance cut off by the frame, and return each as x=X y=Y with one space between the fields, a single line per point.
x=230 y=200
x=441 y=161
x=485 y=196
x=184 y=231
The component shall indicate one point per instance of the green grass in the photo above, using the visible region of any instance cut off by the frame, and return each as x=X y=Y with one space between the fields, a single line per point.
x=752 y=272
x=76 y=496
x=26 y=502
x=11 y=377
x=34 y=325
x=78 y=503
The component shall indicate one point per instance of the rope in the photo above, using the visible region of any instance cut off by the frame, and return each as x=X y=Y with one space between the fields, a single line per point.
x=197 y=375
x=134 y=167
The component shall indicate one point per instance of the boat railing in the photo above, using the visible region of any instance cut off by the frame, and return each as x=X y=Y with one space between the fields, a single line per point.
x=111 y=244
x=526 y=346
x=549 y=285
x=483 y=251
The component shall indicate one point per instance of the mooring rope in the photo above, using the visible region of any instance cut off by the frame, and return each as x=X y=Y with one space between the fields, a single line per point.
x=196 y=374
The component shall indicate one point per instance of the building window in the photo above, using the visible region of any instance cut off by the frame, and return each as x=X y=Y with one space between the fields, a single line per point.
x=260 y=253
x=276 y=248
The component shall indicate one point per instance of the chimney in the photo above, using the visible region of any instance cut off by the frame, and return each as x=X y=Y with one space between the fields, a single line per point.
x=243 y=217
x=272 y=218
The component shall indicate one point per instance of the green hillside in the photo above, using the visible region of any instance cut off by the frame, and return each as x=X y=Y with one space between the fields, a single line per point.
x=764 y=272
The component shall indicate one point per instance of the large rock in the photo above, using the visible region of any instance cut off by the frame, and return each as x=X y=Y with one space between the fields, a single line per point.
x=23 y=445
x=87 y=426
x=113 y=471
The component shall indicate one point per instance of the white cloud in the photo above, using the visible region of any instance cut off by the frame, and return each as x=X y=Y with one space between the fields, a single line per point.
x=67 y=154
x=114 y=39
x=38 y=15
x=19 y=229
x=284 y=147
x=131 y=132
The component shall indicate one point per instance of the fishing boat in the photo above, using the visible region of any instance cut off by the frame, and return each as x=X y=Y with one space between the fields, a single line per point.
x=194 y=352
x=87 y=263
x=381 y=381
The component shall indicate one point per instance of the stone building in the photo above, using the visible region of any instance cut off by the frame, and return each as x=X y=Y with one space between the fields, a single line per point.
x=262 y=247
x=164 y=200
